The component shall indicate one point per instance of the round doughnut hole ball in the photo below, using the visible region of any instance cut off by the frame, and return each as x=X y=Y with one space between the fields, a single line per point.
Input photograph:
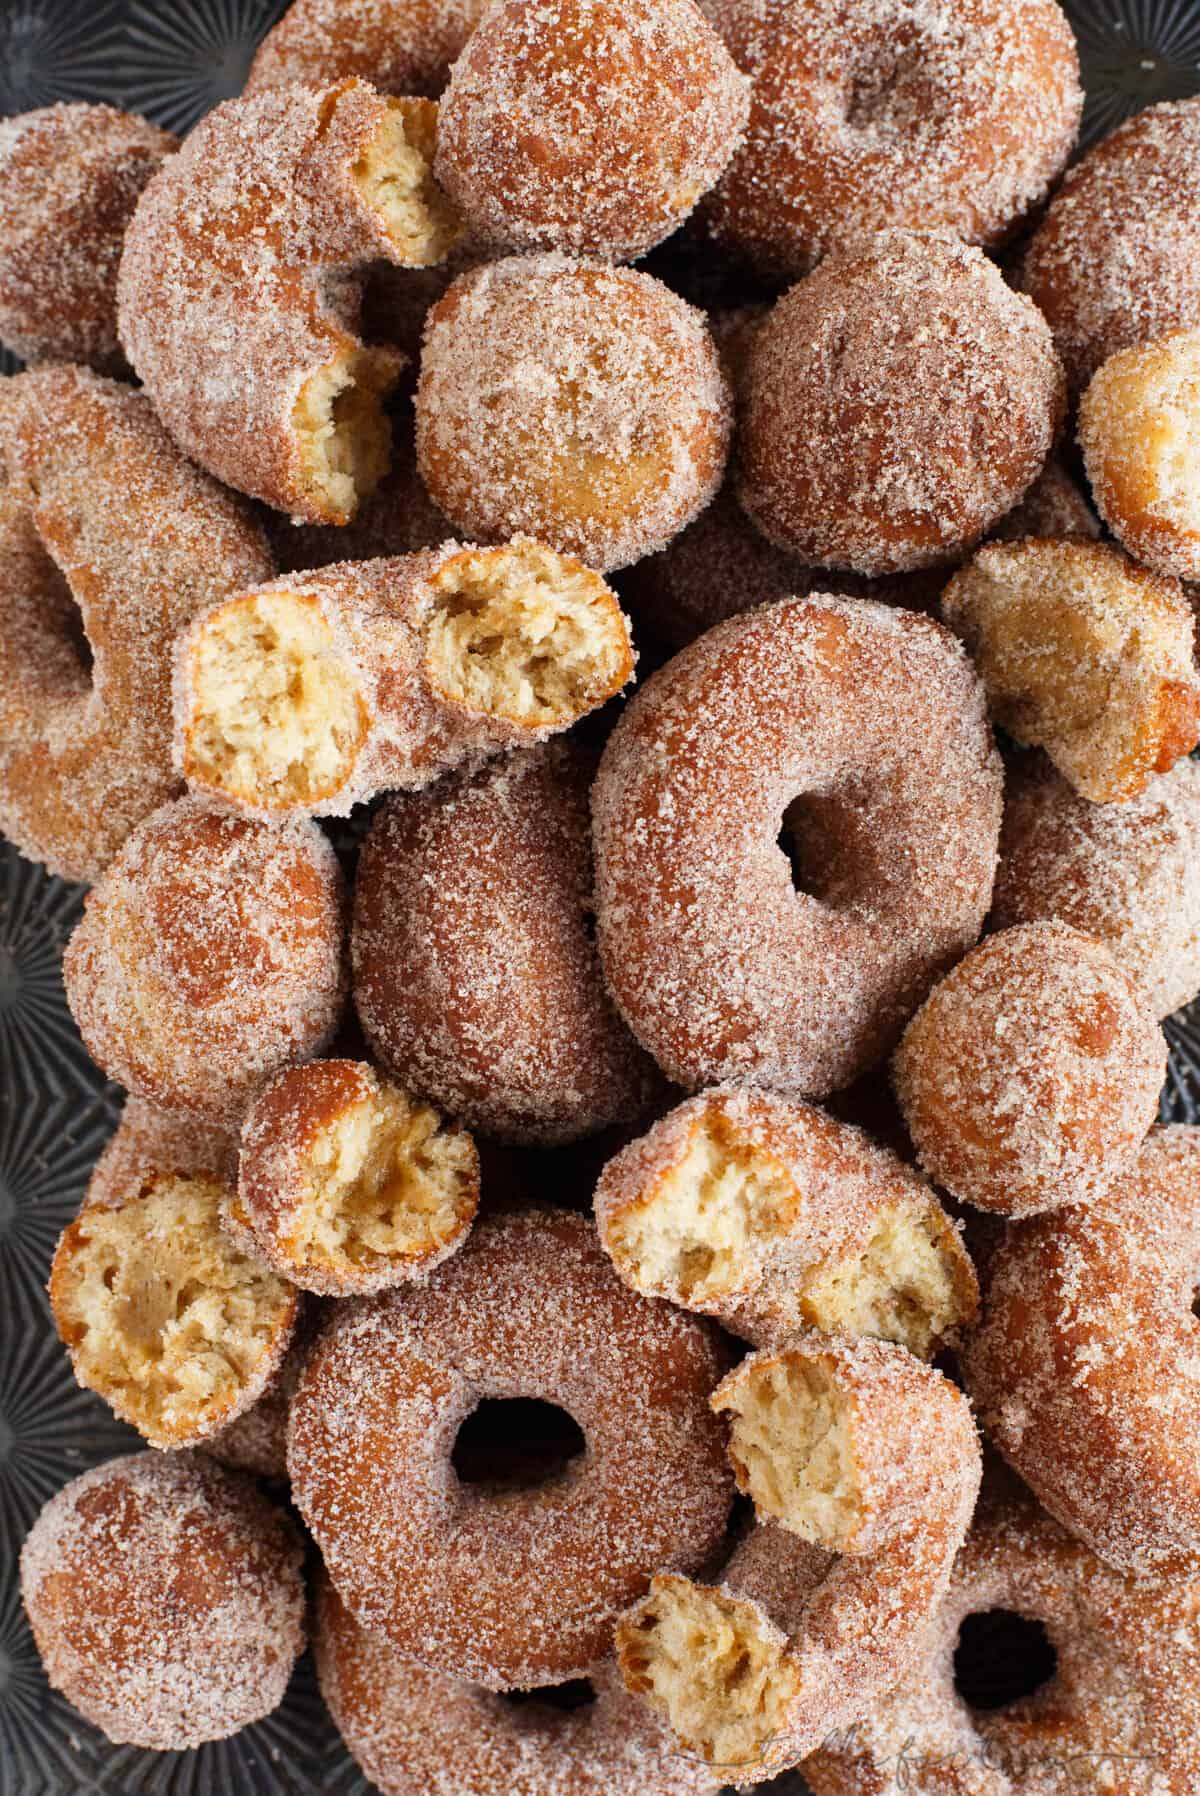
x=588 y=125
x=208 y=957
x=1030 y=1075
x=166 y=1599
x=581 y=404
x=898 y=403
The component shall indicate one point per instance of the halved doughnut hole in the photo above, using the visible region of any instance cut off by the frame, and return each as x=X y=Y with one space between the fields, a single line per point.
x=395 y=177
x=278 y=714
x=709 y=1663
x=563 y=1699
x=516 y=1443
x=1001 y=1657
x=707 y=1225
x=522 y=633
x=384 y=1182
x=901 y=1287
x=342 y=430
x=791 y=1444
x=166 y=1318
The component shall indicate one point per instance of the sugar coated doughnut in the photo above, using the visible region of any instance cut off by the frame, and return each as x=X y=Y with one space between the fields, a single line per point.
x=861 y=732
x=775 y=1217
x=256 y=1441
x=1116 y=260
x=166 y=1599
x=898 y=403
x=70 y=177
x=813 y=1621
x=520 y=1586
x=1084 y=654
x=417 y=1732
x=209 y=956
x=582 y=403
x=109 y=542
x=1139 y=427
x=346 y=1184
x=1030 y=1075
x=591 y=126
x=475 y=976
x=238 y=294
x=401 y=46
x=950 y=115
x=149 y=1143
x=1127 y=874
x=314 y=693
x=1084 y=1364
x=1116 y=1710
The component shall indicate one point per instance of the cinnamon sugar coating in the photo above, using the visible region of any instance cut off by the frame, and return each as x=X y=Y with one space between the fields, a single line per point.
x=898 y=403
x=1084 y=1365
x=345 y=1184
x=861 y=732
x=240 y=287
x=149 y=1144
x=109 y=542
x=70 y=177
x=1115 y=261
x=1030 y=1075
x=579 y=402
x=776 y=1218
x=952 y=115
x=166 y=1599
x=417 y=1732
x=256 y=1441
x=509 y=1587
x=1085 y=654
x=1128 y=874
x=475 y=977
x=309 y=695
x=209 y=956
x=400 y=46
x=795 y=1641
x=591 y=126
x=1118 y=1714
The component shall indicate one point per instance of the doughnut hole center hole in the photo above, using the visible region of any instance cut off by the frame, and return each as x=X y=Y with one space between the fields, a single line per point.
x=516 y=1443
x=886 y=86
x=579 y=1693
x=831 y=845
x=1001 y=1657
x=55 y=618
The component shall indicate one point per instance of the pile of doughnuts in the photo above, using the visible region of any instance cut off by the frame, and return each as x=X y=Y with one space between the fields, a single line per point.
x=607 y=1178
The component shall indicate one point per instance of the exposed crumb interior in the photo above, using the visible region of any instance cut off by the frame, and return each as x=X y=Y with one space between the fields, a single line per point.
x=703 y=1231
x=395 y=177
x=522 y=633
x=278 y=716
x=166 y=1318
x=385 y=1181
x=791 y=1443
x=343 y=433
x=901 y=1287
x=708 y=1662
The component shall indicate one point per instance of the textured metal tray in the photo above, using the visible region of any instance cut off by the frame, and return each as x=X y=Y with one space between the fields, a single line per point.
x=173 y=60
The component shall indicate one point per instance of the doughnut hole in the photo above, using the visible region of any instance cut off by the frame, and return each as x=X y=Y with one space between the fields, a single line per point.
x=395 y=177
x=276 y=714
x=342 y=433
x=713 y=1665
x=164 y=1317
x=905 y=1286
x=1139 y=427
x=522 y=633
x=792 y=1448
x=1084 y=654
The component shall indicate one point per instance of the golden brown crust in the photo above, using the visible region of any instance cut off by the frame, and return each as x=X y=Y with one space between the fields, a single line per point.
x=520 y=1587
x=109 y=542
x=70 y=178
x=485 y=994
x=400 y=46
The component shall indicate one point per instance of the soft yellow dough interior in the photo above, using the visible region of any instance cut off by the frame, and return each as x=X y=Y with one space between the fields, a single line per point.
x=395 y=177
x=791 y=1437
x=901 y=1287
x=342 y=432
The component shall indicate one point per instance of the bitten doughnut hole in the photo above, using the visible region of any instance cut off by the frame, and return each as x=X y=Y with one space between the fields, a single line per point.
x=522 y=633
x=1139 y=427
x=903 y=1286
x=165 y=1318
x=342 y=430
x=278 y=715
x=713 y=1666
x=791 y=1443
x=395 y=177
